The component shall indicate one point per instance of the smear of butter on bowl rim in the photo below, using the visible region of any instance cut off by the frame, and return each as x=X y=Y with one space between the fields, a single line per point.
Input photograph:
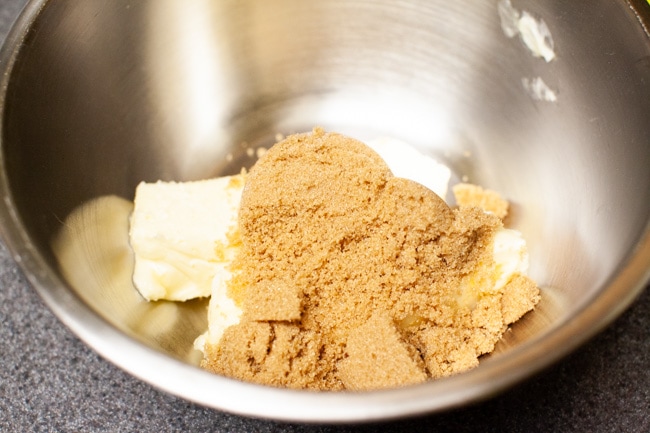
x=534 y=33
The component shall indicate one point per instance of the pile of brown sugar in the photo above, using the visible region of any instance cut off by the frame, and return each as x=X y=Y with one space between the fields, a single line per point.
x=351 y=278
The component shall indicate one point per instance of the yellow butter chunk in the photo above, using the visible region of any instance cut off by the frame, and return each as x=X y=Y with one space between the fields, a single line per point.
x=179 y=234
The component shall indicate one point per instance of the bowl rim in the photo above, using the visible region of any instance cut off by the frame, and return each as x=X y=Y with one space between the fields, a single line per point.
x=194 y=384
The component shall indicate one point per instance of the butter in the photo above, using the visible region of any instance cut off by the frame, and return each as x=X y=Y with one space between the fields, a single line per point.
x=534 y=33
x=510 y=256
x=538 y=89
x=222 y=310
x=179 y=234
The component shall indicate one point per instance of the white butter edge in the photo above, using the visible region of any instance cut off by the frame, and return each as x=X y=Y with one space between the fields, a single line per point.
x=223 y=312
x=510 y=255
x=407 y=162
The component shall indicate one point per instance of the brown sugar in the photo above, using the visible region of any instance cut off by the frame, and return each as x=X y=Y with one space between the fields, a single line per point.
x=467 y=194
x=351 y=278
x=378 y=357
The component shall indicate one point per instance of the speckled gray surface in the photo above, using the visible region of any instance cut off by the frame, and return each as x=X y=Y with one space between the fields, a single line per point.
x=50 y=381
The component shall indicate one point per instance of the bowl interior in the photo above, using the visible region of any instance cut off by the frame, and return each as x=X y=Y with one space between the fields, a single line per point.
x=100 y=96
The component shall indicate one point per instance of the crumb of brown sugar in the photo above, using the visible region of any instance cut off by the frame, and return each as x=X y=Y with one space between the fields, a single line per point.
x=467 y=194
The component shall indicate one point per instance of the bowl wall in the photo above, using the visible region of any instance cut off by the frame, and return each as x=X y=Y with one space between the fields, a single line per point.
x=99 y=96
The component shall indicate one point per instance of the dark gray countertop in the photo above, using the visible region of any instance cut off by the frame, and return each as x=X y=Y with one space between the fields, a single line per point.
x=50 y=381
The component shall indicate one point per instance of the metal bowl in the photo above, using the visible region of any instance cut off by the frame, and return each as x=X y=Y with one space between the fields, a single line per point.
x=98 y=96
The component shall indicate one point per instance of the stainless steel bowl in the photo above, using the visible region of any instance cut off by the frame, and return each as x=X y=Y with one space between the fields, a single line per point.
x=97 y=96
